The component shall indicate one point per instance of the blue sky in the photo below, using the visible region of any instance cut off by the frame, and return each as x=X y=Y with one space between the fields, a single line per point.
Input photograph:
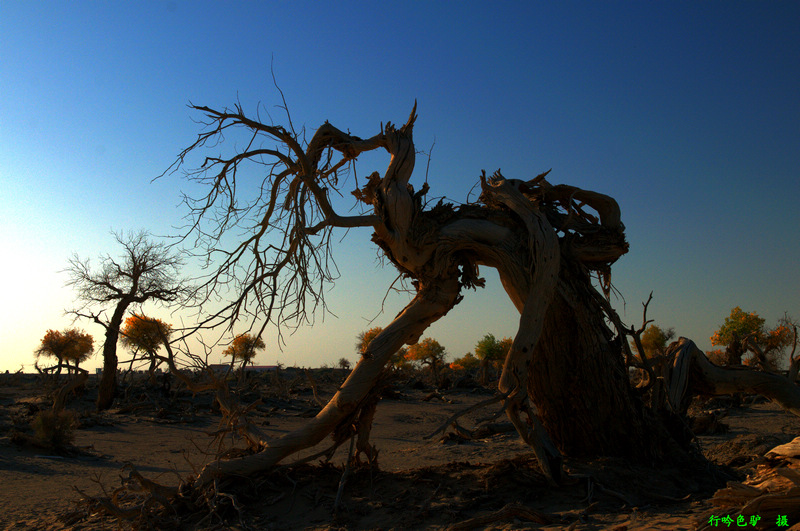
x=688 y=113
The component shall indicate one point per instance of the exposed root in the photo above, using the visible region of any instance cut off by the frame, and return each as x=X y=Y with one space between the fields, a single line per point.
x=497 y=398
x=481 y=432
x=139 y=500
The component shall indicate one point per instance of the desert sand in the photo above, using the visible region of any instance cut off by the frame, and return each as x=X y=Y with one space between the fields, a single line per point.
x=438 y=483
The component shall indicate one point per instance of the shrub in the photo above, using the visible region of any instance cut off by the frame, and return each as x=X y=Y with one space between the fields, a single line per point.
x=55 y=430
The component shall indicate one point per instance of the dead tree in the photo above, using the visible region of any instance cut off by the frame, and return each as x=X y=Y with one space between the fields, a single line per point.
x=145 y=271
x=691 y=374
x=565 y=370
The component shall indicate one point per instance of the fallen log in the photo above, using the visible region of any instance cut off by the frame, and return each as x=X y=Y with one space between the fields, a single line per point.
x=693 y=374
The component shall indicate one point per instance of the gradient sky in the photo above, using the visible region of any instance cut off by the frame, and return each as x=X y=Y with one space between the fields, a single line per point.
x=688 y=113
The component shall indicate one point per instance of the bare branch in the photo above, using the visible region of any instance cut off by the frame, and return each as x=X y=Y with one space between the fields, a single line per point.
x=279 y=269
x=145 y=271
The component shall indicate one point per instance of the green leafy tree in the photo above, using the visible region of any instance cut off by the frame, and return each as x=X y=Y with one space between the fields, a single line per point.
x=428 y=352
x=344 y=363
x=490 y=352
x=505 y=346
x=468 y=362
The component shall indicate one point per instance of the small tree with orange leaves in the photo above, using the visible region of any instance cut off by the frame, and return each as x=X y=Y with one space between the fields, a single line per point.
x=70 y=345
x=746 y=331
x=428 y=352
x=244 y=348
x=145 y=335
x=467 y=362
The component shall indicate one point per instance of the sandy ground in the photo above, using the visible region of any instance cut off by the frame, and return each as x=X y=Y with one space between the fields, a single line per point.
x=421 y=483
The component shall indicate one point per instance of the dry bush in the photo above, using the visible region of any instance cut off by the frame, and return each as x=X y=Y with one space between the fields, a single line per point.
x=54 y=430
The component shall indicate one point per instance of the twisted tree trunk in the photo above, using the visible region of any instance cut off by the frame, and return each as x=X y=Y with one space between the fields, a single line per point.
x=579 y=381
x=565 y=369
x=430 y=304
x=108 y=380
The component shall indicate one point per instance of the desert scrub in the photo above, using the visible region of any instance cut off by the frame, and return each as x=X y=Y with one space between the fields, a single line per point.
x=55 y=430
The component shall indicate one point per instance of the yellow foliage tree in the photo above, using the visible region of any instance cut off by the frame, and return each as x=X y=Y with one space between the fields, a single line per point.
x=145 y=334
x=364 y=338
x=70 y=345
x=244 y=348
x=428 y=352
x=654 y=341
x=743 y=331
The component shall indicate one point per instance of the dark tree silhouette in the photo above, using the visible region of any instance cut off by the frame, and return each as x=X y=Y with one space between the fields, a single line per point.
x=144 y=271
x=565 y=369
x=145 y=335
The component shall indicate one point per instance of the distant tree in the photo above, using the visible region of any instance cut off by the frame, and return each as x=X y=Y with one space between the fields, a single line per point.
x=145 y=271
x=52 y=345
x=244 y=348
x=718 y=356
x=768 y=345
x=428 y=352
x=505 y=345
x=467 y=362
x=70 y=345
x=489 y=351
x=82 y=349
x=364 y=338
x=398 y=359
x=344 y=363
x=733 y=332
x=655 y=340
x=742 y=332
x=145 y=334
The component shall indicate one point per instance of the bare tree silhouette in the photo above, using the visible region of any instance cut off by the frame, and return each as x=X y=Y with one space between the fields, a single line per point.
x=144 y=271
